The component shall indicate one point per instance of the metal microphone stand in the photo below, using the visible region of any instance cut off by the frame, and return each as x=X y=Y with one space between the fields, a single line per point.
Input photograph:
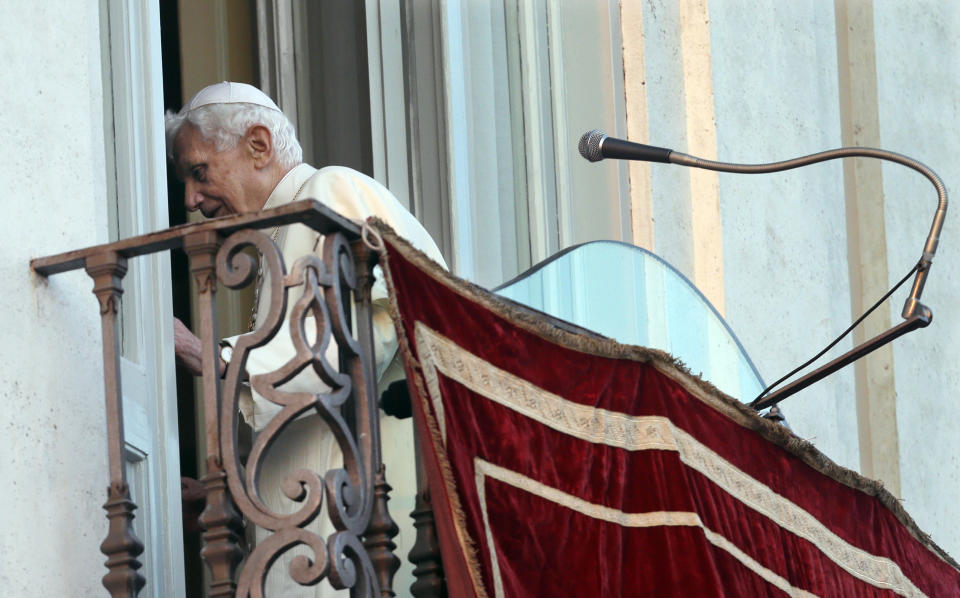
x=915 y=314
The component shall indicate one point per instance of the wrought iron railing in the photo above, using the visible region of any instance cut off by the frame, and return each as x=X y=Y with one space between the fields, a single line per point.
x=335 y=291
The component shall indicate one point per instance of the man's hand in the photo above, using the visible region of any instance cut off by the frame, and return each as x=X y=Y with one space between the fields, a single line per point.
x=188 y=349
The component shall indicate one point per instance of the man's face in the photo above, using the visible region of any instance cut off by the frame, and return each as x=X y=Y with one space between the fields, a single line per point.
x=216 y=182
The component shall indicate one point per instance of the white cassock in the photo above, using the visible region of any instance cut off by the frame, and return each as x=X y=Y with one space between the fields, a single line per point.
x=307 y=443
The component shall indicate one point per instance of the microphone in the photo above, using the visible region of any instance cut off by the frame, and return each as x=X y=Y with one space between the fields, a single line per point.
x=596 y=145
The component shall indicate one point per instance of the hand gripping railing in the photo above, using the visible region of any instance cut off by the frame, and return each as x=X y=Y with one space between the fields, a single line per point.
x=358 y=554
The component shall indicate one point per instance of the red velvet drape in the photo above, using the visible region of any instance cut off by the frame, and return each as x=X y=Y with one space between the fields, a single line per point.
x=557 y=472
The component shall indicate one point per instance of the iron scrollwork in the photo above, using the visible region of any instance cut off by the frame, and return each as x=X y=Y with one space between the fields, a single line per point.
x=323 y=308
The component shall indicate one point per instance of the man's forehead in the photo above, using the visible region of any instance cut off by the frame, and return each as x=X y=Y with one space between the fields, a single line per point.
x=189 y=147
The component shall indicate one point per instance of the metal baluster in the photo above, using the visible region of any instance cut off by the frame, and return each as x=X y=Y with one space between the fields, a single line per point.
x=121 y=545
x=425 y=554
x=381 y=529
x=378 y=537
x=221 y=550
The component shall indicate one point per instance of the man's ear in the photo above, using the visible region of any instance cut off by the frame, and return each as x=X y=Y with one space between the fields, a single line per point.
x=259 y=143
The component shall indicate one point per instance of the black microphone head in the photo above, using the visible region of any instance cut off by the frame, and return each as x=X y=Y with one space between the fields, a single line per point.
x=590 y=145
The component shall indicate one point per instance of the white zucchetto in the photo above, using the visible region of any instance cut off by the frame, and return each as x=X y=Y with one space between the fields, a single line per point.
x=229 y=92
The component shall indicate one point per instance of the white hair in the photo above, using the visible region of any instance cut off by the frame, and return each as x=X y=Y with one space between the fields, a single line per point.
x=226 y=124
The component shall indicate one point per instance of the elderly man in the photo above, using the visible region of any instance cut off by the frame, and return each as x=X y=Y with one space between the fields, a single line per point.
x=237 y=153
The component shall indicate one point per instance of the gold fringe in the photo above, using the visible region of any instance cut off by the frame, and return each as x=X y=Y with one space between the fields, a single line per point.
x=595 y=344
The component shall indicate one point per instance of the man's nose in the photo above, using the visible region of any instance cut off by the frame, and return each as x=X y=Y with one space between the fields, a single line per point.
x=191 y=197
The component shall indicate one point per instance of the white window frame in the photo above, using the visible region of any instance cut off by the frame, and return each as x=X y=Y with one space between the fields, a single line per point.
x=137 y=204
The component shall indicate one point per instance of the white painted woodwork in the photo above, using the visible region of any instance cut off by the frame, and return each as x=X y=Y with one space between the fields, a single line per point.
x=136 y=177
x=522 y=82
x=388 y=99
x=425 y=100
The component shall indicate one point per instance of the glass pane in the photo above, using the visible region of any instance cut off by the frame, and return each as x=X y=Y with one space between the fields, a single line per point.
x=631 y=295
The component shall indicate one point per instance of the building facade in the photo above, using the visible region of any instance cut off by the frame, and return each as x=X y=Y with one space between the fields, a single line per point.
x=470 y=113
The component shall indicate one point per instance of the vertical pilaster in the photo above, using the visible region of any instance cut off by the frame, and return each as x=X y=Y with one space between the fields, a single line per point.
x=705 y=215
x=866 y=240
x=121 y=545
x=638 y=129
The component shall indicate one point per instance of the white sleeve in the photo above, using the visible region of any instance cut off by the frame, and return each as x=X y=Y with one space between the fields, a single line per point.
x=358 y=197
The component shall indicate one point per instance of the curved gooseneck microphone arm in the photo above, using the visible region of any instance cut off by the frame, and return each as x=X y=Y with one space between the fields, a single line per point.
x=596 y=145
x=912 y=306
